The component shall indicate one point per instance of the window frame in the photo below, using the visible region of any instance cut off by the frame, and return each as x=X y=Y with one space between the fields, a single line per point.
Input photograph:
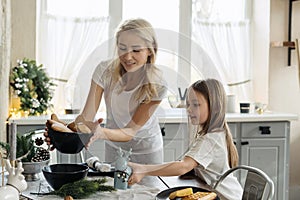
x=185 y=14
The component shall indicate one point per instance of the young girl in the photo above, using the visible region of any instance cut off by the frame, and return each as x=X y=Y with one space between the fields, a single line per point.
x=212 y=152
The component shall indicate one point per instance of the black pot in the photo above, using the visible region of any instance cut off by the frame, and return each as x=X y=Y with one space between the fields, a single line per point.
x=69 y=143
x=59 y=174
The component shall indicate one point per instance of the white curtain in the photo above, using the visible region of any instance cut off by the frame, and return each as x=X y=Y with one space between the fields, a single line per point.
x=63 y=44
x=228 y=45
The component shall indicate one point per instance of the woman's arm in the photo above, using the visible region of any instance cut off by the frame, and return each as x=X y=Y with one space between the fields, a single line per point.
x=175 y=168
x=93 y=101
x=140 y=117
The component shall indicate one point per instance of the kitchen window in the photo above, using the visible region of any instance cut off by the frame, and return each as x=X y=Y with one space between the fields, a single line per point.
x=68 y=31
x=185 y=54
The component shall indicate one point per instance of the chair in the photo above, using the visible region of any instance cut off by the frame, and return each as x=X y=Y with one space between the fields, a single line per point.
x=255 y=183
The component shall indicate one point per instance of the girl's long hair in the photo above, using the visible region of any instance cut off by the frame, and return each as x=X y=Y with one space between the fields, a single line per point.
x=214 y=93
x=144 y=30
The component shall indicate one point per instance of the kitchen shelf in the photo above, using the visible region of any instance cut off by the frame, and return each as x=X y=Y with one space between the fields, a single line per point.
x=289 y=44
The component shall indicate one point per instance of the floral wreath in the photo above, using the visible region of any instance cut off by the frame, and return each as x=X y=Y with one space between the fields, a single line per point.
x=31 y=83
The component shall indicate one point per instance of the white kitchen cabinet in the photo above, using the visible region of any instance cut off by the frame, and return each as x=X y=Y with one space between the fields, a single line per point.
x=262 y=141
x=176 y=138
x=265 y=145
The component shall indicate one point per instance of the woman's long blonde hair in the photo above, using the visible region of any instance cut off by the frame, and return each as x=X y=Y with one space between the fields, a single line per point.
x=145 y=31
x=214 y=93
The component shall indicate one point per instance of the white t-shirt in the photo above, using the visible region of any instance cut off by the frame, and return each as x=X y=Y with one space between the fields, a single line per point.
x=120 y=107
x=210 y=151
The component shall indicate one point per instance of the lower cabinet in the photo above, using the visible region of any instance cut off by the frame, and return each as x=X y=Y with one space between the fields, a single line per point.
x=261 y=144
x=265 y=145
x=176 y=139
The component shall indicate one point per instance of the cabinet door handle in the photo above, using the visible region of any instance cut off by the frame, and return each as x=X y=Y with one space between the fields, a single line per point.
x=163 y=132
x=265 y=130
x=244 y=143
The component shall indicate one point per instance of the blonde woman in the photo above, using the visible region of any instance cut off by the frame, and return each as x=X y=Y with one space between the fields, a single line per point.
x=132 y=87
x=212 y=152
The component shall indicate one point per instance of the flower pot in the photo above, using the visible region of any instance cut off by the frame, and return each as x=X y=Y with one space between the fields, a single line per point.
x=32 y=169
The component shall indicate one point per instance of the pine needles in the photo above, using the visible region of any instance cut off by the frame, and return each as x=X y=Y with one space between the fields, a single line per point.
x=83 y=188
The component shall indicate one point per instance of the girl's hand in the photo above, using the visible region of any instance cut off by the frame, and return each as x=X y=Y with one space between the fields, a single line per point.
x=138 y=173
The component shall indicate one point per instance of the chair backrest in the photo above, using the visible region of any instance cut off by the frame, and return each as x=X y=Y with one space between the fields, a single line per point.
x=255 y=183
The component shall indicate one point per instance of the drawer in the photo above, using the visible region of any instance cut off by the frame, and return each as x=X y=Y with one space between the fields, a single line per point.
x=174 y=131
x=264 y=129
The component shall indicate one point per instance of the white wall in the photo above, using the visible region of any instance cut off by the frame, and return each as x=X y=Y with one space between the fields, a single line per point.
x=284 y=82
x=23 y=17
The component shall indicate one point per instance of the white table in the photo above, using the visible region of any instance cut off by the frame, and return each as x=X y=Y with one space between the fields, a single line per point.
x=137 y=192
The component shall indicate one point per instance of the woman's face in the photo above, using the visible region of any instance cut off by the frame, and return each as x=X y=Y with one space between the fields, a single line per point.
x=132 y=51
x=197 y=107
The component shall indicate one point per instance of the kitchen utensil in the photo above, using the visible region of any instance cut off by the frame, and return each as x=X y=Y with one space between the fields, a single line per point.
x=244 y=107
x=231 y=99
x=94 y=172
x=69 y=143
x=164 y=195
x=59 y=174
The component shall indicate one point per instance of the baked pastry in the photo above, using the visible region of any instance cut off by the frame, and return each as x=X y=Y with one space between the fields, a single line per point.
x=181 y=193
x=201 y=196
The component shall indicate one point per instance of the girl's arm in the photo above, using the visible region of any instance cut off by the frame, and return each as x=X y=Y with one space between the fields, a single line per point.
x=175 y=168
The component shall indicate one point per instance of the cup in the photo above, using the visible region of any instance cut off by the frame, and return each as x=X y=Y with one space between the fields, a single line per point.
x=244 y=107
x=260 y=107
x=231 y=103
x=173 y=101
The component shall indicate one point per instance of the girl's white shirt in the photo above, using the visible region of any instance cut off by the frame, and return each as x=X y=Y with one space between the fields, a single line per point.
x=210 y=151
x=120 y=107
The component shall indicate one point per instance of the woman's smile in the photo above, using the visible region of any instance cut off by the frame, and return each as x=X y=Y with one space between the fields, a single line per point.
x=132 y=51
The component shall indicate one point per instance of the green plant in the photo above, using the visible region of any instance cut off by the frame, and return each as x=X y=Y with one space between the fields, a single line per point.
x=28 y=149
x=31 y=83
x=25 y=147
x=6 y=148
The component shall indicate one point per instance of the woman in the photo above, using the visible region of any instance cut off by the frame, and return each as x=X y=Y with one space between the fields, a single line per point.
x=132 y=87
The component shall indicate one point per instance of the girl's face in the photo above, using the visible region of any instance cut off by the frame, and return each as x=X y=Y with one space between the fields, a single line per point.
x=132 y=51
x=197 y=108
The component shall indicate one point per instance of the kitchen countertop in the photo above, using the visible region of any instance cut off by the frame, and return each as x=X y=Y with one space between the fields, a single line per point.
x=174 y=115
x=136 y=192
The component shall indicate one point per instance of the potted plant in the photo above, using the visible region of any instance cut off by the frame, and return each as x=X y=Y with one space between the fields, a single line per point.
x=32 y=154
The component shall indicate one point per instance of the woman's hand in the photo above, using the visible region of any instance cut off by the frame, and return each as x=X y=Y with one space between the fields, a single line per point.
x=97 y=134
x=85 y=126
x=47 y=139
x=138 y=172
x=56 y=125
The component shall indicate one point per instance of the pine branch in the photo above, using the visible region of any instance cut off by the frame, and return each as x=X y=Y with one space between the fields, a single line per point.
x=83 y=188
